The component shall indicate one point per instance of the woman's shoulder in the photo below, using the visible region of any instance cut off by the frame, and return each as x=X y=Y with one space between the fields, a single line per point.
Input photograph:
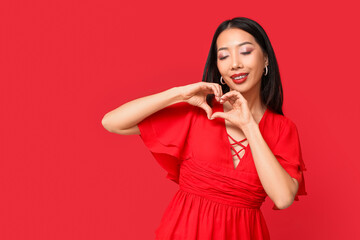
x=279 y=121
x=278 y=128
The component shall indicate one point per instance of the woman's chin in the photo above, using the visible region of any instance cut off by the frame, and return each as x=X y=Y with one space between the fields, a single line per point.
x=238 y=88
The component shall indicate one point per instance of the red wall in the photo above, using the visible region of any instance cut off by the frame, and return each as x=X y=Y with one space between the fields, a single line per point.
x=64 y=64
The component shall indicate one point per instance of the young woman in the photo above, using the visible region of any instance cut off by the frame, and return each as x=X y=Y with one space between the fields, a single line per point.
x=193 y=132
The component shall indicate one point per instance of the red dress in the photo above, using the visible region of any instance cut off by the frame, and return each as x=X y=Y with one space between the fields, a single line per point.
x=215 y=200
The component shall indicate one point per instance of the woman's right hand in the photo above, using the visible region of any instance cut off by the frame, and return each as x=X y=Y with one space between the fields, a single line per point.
x=195 y=94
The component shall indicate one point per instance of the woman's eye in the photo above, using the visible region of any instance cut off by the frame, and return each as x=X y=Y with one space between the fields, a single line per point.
x=221 y=58
x=245 y=53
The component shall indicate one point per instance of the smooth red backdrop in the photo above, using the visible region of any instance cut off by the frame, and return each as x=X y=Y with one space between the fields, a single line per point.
x=64 y=64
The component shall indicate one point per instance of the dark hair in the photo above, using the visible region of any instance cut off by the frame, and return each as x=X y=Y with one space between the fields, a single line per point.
x=271 y=91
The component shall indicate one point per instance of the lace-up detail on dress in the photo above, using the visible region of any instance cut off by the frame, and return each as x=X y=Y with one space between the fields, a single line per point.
x=238 y=143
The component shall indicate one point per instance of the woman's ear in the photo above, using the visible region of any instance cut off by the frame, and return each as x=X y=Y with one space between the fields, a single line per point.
x=266 y=59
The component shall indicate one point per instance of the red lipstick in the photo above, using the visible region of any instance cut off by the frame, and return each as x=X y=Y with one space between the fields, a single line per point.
x=239 y=77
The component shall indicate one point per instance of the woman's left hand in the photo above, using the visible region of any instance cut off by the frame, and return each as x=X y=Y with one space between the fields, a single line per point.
x=240 y=114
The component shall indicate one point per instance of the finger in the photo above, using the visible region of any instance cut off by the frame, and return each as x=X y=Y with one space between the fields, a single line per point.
x=232 y=96
x=216 y=91
x=232 y=100
x=218 y=115
x=207 y=109
x=238 y=95
x=217 y=94
x=219 y=90
x=235 y=100
x=227 y=99
x=227 y=96
x=205 y=88
x=209 y=88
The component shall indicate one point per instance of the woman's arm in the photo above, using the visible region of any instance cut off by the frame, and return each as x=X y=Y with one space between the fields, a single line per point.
x=277 y=183
x=124 y=119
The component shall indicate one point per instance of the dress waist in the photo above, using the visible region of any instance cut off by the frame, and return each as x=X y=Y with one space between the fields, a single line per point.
x=241 y=190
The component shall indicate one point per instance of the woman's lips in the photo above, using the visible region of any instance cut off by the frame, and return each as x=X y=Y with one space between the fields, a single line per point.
x=237 y=81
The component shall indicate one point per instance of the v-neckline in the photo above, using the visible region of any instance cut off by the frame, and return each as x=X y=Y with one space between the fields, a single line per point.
x=246 y=149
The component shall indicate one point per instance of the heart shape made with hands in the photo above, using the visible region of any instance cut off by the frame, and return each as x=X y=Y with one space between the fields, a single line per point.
x=239 y=114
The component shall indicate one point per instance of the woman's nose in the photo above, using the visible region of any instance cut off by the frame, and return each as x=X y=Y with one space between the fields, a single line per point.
x=235 y=62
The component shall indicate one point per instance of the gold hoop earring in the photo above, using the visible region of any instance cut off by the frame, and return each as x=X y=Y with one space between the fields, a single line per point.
x=266 y=71
x=222 y=81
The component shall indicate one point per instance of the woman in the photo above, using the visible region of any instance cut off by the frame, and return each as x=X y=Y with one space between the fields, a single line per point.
x=191 y=131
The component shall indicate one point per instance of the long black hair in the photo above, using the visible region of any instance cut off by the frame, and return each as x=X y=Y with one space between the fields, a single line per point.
x=271 y=91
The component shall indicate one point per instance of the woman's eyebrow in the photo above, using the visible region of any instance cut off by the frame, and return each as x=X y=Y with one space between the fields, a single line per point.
x=223 y=48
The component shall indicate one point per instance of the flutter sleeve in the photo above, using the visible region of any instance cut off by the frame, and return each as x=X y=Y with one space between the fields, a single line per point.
x=165 y=134
x=288 y=152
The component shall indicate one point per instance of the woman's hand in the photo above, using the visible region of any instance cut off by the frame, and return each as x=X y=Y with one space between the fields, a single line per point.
x=240 y=114
x=195 y=94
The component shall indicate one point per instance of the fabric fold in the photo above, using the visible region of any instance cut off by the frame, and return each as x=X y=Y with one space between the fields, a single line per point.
x=215 y=200
x=165 y=134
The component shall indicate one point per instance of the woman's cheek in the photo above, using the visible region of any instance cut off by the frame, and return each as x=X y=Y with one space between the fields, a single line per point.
x=220 y=68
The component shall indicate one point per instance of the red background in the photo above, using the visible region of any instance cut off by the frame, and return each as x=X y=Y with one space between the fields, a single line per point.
x=64 y=64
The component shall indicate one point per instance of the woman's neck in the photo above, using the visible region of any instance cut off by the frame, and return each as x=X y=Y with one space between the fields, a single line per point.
x=254 y=103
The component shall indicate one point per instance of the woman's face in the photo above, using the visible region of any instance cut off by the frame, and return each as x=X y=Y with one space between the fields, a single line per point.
x=237 y=54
